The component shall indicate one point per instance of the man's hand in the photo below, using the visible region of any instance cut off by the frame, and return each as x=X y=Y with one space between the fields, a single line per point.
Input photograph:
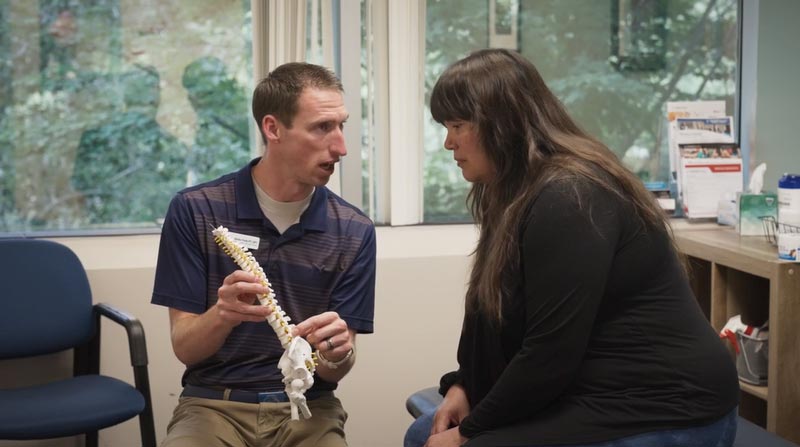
x=334 y=340
x=328 y=333
x=237 y=300
x=197 y=337
x=448 y=438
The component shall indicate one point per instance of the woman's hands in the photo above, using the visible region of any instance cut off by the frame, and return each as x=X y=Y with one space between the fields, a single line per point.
x=448 y=438
x=452 y=410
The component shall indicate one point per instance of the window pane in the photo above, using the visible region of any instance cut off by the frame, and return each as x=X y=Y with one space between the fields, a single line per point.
x=613 y=64
x=108 y=107
x=374 y=112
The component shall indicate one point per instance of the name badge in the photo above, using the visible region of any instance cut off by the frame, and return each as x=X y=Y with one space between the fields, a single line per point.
x=249 y=242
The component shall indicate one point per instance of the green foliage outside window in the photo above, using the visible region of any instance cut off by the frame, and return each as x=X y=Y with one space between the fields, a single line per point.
x=222 y=142
x=128 y=168
x=72 y=90
x=613 y=73
x=101 y=123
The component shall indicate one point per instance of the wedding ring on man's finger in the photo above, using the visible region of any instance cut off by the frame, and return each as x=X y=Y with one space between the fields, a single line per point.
x=330 y=344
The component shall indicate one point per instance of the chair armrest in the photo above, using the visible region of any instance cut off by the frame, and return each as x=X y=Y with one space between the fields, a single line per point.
x=138 y=348
x=133 y=326
x=423 y=401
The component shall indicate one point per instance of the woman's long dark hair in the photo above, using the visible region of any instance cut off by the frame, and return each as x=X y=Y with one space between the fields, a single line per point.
x=531 y=140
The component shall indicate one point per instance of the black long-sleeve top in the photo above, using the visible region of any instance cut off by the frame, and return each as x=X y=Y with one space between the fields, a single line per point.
x=603 y=337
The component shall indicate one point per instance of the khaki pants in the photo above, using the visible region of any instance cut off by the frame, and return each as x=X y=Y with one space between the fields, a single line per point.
x=199 y=422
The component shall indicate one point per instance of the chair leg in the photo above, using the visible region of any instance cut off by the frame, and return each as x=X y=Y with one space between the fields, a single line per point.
x=147 y=428
x=91 y=439
x=146 y=424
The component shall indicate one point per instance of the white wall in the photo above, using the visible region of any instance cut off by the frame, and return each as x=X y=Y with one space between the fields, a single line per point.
x=421 y=275
x=777 y=91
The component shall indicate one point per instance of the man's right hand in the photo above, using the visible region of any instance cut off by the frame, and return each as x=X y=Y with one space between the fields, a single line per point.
x=237 y=300
x=452 y=410
x=196 y=337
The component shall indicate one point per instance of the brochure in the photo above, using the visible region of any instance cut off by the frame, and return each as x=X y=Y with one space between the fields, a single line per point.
x=692 y=132
x=704 y=130
x=708 y=170
x=688 y=109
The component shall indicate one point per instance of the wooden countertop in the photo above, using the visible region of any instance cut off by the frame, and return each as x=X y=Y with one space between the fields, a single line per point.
x=753 y=254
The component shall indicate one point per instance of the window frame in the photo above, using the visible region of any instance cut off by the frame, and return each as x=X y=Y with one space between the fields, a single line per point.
x=396 y=53
x=400 y=141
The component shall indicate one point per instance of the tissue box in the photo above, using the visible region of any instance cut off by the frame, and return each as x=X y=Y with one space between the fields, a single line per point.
x=752 y=207
x=727 y=211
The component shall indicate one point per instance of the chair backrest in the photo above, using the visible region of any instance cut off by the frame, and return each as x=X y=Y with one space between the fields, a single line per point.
x=45 y=299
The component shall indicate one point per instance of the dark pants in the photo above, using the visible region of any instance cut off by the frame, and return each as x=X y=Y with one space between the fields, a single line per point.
x=718 y=434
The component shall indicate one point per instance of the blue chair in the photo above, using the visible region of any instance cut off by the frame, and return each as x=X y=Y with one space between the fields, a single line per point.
x=747 y=433
x=46 y=307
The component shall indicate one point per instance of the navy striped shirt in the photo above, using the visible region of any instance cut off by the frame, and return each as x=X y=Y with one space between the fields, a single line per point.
x=324 y=262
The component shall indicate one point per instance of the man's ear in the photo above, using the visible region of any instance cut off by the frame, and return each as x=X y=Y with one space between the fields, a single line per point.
x=271 y=128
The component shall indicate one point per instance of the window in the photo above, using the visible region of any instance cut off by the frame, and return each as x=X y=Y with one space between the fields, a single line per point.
x=108 y=107
x=614 y=64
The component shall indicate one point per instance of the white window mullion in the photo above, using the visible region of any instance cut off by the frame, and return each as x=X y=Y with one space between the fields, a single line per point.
x=276 y=25
x=326 y=42
x=406 y=57
x=350 y=73
x=259 y=11
x=314 y=28
x=748 y=81
x=378 y=109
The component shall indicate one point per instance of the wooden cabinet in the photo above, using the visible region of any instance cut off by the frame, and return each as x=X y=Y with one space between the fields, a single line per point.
x=734 y=275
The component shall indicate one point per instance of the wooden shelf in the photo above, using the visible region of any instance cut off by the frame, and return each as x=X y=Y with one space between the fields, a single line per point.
x=742 y=275
x=755 y=390
x=751 y=254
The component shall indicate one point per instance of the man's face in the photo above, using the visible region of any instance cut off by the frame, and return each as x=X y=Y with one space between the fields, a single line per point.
x=309 y=149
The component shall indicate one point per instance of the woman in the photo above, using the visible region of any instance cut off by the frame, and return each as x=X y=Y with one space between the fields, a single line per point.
x=580 y=325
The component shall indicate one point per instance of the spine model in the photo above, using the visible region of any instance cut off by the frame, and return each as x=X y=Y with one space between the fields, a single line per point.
x=278 y=319
x=298 y=362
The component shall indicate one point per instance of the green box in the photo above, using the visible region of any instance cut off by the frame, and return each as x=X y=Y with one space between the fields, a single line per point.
x=752 y=207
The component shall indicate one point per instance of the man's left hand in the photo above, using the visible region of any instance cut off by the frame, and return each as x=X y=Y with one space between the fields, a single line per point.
x=328 y=333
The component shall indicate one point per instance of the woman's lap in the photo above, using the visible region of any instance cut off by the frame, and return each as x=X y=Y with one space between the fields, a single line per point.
x=418 y=432
x=718 y=434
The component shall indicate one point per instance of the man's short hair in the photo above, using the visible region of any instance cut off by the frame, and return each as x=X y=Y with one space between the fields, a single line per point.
x=278 y=92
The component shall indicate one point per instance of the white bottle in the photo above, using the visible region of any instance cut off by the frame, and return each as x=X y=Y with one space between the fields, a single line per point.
x=789 y=203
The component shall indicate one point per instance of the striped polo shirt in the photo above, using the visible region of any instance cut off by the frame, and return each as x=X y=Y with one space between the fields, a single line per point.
x=324 y=262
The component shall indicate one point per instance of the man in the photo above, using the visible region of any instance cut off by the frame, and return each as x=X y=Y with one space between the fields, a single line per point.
x=317 y=251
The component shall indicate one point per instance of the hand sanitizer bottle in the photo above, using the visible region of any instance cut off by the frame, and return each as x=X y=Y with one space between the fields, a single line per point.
x=789 y=202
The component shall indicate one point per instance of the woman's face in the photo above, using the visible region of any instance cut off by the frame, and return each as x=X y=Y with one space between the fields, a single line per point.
x=468 y=152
